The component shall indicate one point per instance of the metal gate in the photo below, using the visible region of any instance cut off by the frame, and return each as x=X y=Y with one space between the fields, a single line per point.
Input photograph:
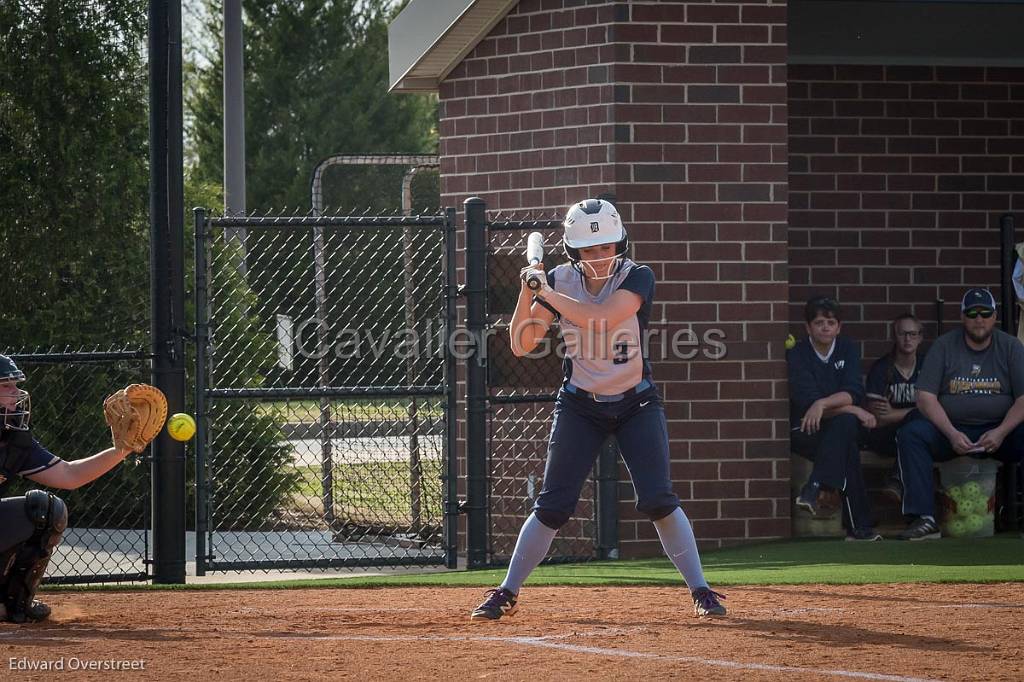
x=324 y=392
x=512 y=401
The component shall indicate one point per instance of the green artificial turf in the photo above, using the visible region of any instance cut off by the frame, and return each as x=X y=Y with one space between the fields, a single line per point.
x=996 y=559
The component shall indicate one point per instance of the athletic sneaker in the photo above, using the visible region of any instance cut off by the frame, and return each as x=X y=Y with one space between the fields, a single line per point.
x=35 y=613
x=807 y=500
x=818 y=501
x=705 y=602
x=500 y=602
x=893 y=488
x=921 y=528
x=864 y=535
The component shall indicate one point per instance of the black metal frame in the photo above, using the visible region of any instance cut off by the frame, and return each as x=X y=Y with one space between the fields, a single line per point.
x=205 y=559
x=479 y=403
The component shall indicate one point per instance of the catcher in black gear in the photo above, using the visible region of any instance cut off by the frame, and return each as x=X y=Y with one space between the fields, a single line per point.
x=31 y=526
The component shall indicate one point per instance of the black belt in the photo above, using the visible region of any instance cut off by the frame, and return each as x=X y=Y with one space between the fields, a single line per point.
x=612 y=398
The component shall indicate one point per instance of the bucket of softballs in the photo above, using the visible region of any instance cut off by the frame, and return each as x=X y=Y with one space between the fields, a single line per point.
x=968 y=497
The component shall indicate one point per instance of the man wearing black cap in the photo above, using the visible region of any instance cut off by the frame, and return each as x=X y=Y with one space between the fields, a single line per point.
x=971 y=389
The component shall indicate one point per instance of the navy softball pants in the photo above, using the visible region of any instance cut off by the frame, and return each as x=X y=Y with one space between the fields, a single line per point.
x=836 y=459
x=580 y=427
x=920 y=443
x=15 y=527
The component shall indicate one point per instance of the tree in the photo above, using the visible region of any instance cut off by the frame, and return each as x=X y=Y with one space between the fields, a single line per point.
x=73 y=221
x=316 y=85
x=73 y=173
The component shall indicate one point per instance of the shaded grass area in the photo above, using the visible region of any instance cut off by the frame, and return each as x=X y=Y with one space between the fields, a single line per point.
x=376 y=492
x=997 y=559
x=352 y=409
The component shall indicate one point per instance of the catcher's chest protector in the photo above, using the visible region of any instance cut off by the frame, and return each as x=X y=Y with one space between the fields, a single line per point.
x=14 y=450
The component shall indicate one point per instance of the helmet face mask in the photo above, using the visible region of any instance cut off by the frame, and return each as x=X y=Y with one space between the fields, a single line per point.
x=592 y=223
x=15 y=410
x=15 y=403
x=589 y=266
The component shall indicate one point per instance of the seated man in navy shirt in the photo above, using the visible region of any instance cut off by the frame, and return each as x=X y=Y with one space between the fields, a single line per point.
x=824 y=393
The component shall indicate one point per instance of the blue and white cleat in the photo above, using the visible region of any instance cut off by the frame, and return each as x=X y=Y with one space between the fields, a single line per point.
x=500 y=602
x=705 y=602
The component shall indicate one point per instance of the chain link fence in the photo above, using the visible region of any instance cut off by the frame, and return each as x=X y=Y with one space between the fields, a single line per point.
x=107 y=538
x=322 y=391
x=521 y=393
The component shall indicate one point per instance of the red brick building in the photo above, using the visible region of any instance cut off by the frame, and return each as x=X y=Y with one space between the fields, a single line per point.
x=758 y=153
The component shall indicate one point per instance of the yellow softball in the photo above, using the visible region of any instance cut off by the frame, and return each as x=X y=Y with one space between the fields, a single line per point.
x=790 y=342
x=181 y=426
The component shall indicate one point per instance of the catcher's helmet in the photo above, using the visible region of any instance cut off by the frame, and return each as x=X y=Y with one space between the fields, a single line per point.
x=591 y=223
x=16 y=407
x=9 y=371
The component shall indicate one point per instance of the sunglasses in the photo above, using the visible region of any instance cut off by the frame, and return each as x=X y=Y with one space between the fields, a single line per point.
x=982 y=312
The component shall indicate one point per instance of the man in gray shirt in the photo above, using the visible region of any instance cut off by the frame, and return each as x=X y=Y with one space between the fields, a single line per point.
x=971 y=391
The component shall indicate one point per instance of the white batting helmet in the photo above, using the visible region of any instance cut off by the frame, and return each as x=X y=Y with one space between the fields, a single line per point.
x=591 y=223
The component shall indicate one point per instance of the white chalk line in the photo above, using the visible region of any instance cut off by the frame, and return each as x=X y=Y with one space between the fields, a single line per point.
x=548 y=642
x=713 y=662
x=608 y=632
x=71 y=633
x=784 y=611
x=349 y=609
x=979 y=606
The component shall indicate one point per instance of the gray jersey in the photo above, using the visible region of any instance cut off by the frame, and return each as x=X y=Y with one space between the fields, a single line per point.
x=600 y=359
x=974 y=387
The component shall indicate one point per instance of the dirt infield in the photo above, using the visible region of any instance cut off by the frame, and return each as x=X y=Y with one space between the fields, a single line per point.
x=878 y=632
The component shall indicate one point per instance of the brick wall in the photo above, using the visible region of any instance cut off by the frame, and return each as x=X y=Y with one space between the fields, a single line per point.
x=701 y=123
x=679 y=110
x=898 y=177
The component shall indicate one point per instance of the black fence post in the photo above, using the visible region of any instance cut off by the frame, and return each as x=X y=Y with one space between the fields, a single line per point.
x=202 y=334
x=167 y=285
x=1008 y=258
x=451 y=466
x=476 y=382
x=607 y=475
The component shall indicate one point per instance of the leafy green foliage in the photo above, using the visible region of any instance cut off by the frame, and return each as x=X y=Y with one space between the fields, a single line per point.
x=73 y=173
x=73 y=223
x=248 y=477
x=315 y=85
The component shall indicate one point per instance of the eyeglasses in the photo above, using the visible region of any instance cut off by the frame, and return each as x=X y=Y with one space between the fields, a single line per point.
x=908 y=335
x=979 y=312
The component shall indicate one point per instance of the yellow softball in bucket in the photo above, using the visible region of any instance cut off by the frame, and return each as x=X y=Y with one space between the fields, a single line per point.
x=181 y=426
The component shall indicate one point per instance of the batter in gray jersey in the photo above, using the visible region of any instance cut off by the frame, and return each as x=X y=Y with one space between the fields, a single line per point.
x=600 y=359
x=603 y=303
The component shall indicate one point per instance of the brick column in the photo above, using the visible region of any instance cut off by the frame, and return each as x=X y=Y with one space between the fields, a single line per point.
x=679 y=110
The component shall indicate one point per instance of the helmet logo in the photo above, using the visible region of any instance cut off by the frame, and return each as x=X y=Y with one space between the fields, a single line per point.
x=595 y=226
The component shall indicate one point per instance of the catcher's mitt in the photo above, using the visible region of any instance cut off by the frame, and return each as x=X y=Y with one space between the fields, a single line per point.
x=135 y=414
